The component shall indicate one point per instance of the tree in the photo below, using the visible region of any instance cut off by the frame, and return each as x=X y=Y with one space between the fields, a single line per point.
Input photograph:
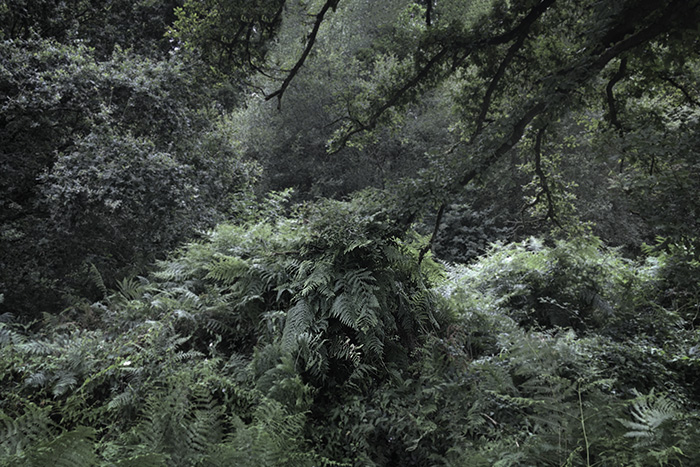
x=138 y=25
x=542 y=86
x=106 y=165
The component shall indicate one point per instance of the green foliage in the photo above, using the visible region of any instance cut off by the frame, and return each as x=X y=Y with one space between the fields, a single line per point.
x=139 y=25
x=333 y=277
x=326 y=333
x=230 y=36
x=318 y=339
x=106 y=165
x=649 y=414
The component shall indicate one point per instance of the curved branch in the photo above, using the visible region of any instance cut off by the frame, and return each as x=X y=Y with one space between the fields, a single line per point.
x=520 y=32
x=307 y=50
x=428 y=12
x=486 y=102
x=544 y=185
x=393 y=100
x=670 y=80
x=438 y=221
x=612 y=112
x=678 y=9
x=523 y=27
x=515 y=135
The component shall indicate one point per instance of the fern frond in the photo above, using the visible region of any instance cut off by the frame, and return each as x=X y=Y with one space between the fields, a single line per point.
x=424 y=305
x=346 y=350
x=649 y=413
x=274 y=438
x=8 y=336
x=189 y=355
x=181 y=419
x=186 y=298
x=318 y=280
x=122 y=400
x=65 y=381
x=143 y=460
x=356 y=245
x=173 y=271
x=214 y=326
x=131 y=288
x=299 y=319
x=374 y=344
x=227 y=269
x=367 y=319
x=70 y=449
x=37 y=379
x=344 y=310
x=38 y=348
x=96 y=277
x=18 y=434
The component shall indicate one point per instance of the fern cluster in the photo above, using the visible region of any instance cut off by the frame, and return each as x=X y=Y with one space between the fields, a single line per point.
x=322 y=339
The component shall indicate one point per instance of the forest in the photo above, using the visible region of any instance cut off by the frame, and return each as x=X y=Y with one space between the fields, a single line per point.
x=349 y=233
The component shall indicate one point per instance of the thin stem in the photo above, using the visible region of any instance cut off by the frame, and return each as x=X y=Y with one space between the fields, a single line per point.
x=583 y=426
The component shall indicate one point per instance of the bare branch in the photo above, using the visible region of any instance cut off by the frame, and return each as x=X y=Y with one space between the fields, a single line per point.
x=670 y=80
x=309 y=45
x=675 y=10
x=486 y=102
x=612 y=109
x=428 y=11
x=438 y=221
x=524 y=26
x=515 y=135
x=544 y=185
x=394 y=99
x=519 y=32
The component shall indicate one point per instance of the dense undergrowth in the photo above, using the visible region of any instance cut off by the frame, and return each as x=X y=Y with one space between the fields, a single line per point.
x=320 y=338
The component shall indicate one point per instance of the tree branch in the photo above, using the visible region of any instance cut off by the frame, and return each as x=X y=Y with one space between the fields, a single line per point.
x=486 y=102
x=309 y=45
x=438 y=221
x=612 y=110
x=392 y=101
x=524 y=26
x=670 y=80
x=676 y=9
x=515 y=135
x=551 y=209
x=519 y=31
x=428 y=11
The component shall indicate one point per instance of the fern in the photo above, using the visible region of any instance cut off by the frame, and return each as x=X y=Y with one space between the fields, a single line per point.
x=650 y=414
x=37 y=379
x=8 y=336
x=122 y=401
x=20 y=434
x=70 y=449
x=318 y=280
x=96 y=277
x=143 y=460
x=227 y=269
x=130 y=288
x=180 y=420
x=274 y=438
x=298 y=321
x=38 y=348
x=343 y=310
x=65 y=380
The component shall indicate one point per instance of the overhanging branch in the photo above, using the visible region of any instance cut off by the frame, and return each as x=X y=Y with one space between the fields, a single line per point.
x=544 y=185
x=519 y=32
x=486 y=102
x=307 y=50
x=612 y=108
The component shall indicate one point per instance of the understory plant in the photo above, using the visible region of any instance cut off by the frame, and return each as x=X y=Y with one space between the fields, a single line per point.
x=326 y=337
